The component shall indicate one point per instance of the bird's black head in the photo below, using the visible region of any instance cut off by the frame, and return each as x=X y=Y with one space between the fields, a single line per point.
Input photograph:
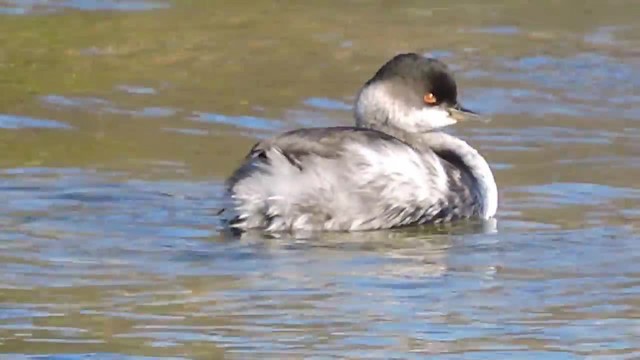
x=429 y=79
x=412 y=93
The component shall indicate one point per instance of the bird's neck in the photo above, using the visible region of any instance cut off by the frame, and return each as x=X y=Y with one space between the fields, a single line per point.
x=442 y=143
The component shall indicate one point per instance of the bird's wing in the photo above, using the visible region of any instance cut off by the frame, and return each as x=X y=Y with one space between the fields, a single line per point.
x=339 y=177
x=296 y=145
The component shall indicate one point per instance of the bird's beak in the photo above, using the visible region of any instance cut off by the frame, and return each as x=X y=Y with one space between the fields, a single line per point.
x=460 y=113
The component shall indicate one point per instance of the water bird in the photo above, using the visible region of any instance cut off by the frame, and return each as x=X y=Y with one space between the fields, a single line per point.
x=394 y=168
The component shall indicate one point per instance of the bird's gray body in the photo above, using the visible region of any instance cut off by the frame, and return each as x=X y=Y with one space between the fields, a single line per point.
x=394 y=168
x=348 y=178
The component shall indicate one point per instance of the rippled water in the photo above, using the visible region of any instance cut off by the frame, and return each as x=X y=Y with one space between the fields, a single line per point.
x=119 y=121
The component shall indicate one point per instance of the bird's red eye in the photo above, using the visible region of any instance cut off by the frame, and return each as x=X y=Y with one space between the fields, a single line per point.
x=430 y=99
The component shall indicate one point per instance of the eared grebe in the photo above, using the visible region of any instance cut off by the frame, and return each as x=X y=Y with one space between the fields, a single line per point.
x=394 y=168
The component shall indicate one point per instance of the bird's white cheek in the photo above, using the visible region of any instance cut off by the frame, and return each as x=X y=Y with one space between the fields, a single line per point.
x=430 y=118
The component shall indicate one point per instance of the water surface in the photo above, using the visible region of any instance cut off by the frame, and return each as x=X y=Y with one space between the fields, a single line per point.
x=119 y=121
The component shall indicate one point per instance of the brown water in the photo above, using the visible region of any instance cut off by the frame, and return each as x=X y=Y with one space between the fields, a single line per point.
x=119 y=120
